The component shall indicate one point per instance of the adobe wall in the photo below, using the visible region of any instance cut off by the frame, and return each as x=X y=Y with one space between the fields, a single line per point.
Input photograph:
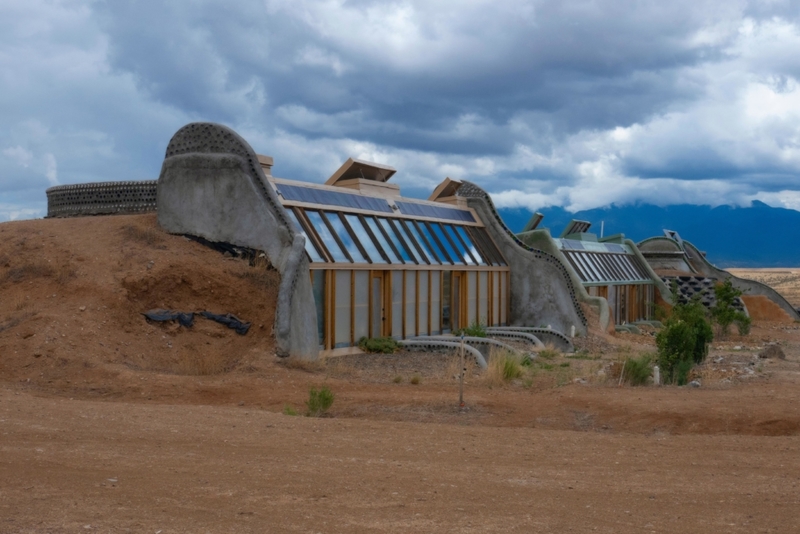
x=542 y=291
x=212 y=186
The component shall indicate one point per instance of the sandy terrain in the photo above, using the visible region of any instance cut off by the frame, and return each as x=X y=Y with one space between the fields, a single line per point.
x=784 y=281
x=111 y=424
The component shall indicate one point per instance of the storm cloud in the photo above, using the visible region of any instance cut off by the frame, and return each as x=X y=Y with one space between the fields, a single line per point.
x=576 y=104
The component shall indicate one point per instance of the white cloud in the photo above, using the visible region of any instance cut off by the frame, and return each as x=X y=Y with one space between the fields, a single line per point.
x=19 y=155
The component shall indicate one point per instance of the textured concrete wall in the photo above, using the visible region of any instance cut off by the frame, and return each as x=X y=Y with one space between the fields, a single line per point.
x=662 y=288
x=104 y=198
x=542 y=240
x=542 y=291
x=660 y=253
x=211 y=185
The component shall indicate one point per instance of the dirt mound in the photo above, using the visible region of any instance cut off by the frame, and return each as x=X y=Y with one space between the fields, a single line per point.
x=772 y=351
x=73 y=293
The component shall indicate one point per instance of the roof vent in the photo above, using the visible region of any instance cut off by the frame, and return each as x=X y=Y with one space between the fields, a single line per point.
x=533 y=222
x=365 y=176
x=446 y=192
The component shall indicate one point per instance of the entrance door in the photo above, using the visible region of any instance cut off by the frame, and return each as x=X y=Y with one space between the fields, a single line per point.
x=455 y=308
x=377 y=317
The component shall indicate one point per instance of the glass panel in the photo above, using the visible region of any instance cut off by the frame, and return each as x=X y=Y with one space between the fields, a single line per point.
x=422 y=307
x=364 y=238
x=404 y=234
x=361 y=305
x=318 y=288
x=483 y=297
x=332 y=198
x=455 y=308
x=311 y=250
x=396 y=240
x=436 y=238
x=345 y=237
x=382 y=240
x=461 y=249
x=489 y=245
x=446 y=276
x=342 y=287
x=496 y=298
x=437 y=248
x=438 y=232
x=472 y=248
x=397 y=304
x=472 y=303
x=377 y=306
x=411 y=304
x=436 y=212
x=435 y=309
x=422 y=243
x=326 y=237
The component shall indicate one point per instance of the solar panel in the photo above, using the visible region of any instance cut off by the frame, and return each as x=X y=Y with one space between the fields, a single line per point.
x=576 y=226
x=437 y=212
x=332 y=198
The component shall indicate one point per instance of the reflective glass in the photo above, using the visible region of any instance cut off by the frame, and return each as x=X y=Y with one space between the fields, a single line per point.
x=404 y=234
x=463 y=254
x=373 y=225
x=472 y=248
x=437 y=212
x=325 y=236
x=437 y=248
x=422 y=243
x=396 y=240
x=310 y=248
x=364 y=238
x=332 y=198
x=345 y=237
x=454 y=256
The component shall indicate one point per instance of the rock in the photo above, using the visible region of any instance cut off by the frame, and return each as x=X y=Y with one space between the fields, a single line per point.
x=737 y=347
x=773 y=351
x=82 y=308
x=695 y=383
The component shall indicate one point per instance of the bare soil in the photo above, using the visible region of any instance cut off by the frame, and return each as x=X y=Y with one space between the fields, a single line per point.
x=109 y=423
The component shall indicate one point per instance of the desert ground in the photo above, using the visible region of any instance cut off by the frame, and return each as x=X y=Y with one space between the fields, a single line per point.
x=112 y=423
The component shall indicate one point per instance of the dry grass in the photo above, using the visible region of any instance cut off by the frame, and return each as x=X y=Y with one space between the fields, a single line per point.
x=308 y=366
x=200 y=364
x=148 y=236
x=261 y=273
x=549 y=352
x=28 y=271
x=503 y=367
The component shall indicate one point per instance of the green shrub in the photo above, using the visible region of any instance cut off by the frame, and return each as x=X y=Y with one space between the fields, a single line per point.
x=511 y=369
x=636 y=371
x=397 y=379
x=548 y=353
x=684 y=339
x=476 y=329
x=288 y=410
x=383 y=345
x=319 y=402
x=415 y=380
x=723 y=312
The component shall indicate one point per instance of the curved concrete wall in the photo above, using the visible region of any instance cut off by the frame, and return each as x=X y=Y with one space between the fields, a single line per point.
x=103 y=198
x=542 y=291
x=211 y=185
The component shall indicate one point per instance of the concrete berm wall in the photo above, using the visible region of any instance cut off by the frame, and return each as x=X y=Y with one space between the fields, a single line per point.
x=542 y=292
x=212 y=186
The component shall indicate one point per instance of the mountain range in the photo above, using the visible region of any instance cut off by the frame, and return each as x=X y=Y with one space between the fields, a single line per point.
x=754 y=236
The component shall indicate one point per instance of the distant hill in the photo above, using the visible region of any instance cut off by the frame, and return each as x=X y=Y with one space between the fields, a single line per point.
x=756 y=236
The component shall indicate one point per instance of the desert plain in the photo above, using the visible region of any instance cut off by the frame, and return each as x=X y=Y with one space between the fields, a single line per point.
x=111 y=423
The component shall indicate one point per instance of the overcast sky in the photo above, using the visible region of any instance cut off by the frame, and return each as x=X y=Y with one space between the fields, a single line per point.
x=576 y=104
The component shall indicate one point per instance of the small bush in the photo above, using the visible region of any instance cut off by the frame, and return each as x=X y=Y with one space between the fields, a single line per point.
x=636 y=371
x=548 y=353
x=724 y=313
x=684 y=339
x=288 y=410
x=382 y=345
x=415 y=380
x=476 y=329
x=319 y=402
x=503 y=366
x=397 y=379
x=564 y=364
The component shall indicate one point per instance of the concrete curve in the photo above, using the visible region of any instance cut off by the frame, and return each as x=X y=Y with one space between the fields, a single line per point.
x=479 y=359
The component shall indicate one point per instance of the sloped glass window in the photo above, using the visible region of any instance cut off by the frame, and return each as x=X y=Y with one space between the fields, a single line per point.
x=396 y=240
x=465 y=256
x=345 y=237
x=448 y=247
x=412 y=227
x=311 y=250
x=427 y=233
x=363 y=237
x=384 y=244
x=326 y=236
x=472 y=248
x=409 y=241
